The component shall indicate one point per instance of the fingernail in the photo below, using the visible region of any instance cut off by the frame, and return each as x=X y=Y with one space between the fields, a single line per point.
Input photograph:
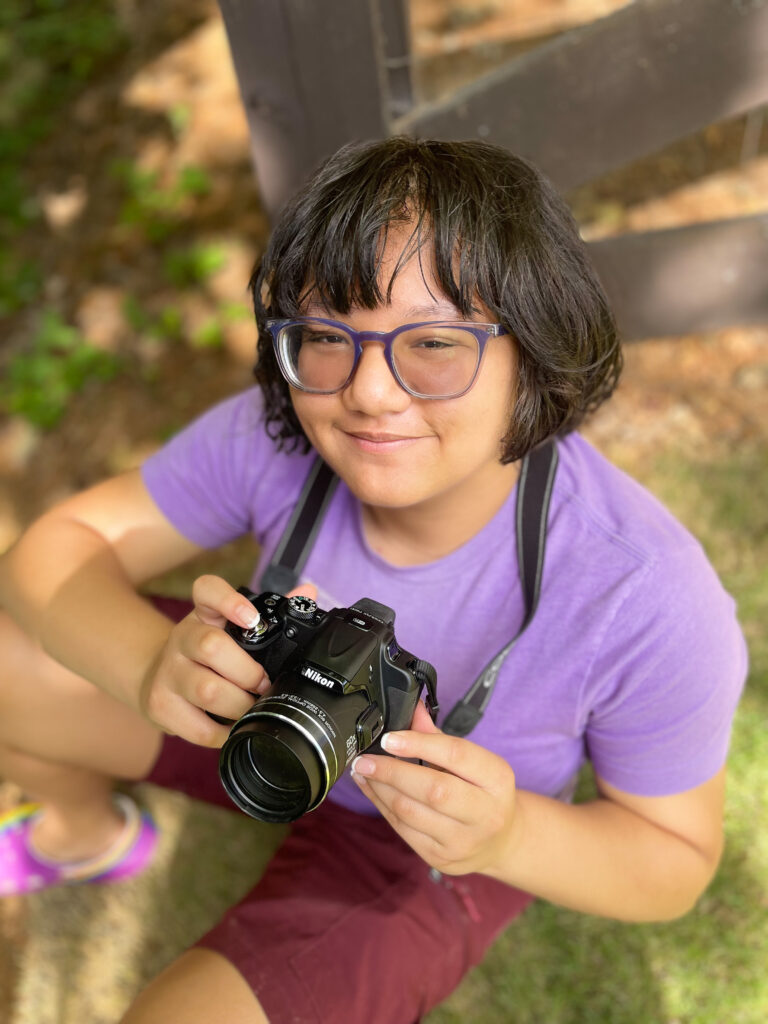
x=363 y=766
x=249 y=617
x=391 y=741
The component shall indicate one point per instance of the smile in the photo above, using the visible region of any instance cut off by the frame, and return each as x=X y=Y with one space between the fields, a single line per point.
x=380 y=442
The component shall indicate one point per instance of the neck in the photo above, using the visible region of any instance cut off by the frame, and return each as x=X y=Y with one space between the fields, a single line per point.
x=433 y=529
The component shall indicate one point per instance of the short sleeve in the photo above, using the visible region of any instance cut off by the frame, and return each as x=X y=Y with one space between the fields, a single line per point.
x=664 y=686
x=203 y=479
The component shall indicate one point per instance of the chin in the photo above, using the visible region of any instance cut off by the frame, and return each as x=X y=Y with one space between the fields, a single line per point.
x=383 y=492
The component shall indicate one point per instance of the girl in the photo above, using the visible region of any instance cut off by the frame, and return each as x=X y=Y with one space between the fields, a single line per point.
x=427 y=318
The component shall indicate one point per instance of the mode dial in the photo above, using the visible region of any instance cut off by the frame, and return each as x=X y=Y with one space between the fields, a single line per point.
x=303 y=608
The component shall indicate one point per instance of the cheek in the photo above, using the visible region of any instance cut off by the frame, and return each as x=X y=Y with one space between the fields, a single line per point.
x=504 y=382
x=311 y=410
x=494 y=399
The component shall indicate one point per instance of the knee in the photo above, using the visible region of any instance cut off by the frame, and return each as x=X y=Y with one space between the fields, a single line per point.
x=201 y=986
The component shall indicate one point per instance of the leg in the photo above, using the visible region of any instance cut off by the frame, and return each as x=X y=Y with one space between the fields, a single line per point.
x=200 y=987
x=348 y=925
x=64 y=741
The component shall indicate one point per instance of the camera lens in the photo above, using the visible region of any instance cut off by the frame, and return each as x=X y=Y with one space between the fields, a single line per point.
x=282 y=757
x=271 y=771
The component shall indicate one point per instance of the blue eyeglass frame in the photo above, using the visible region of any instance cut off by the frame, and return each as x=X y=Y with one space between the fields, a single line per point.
x=482 y=333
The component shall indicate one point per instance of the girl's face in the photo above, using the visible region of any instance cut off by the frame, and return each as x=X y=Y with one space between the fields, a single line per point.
x=394 y=450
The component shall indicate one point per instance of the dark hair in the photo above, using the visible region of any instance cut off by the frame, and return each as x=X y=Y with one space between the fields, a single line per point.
x=499 y=232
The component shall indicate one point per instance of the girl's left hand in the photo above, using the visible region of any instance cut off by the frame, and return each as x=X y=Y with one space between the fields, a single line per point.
x=456 y=811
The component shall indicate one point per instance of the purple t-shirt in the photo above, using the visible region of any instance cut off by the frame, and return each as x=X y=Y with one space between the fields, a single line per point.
x=633 y=660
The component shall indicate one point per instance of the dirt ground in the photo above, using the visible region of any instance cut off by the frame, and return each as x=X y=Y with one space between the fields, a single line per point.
x=79 y=956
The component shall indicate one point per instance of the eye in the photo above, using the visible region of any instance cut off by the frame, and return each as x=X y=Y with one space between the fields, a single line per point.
x=437 y=341
x=434 y=343
x=320 y=338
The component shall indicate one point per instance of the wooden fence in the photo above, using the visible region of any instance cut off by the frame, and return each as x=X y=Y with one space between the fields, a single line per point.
x=315 y=74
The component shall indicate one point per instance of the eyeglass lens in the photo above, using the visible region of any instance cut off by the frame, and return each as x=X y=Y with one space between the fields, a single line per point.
x=435 y=362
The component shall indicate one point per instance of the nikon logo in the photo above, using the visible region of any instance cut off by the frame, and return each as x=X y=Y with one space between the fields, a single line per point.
x=318 y=677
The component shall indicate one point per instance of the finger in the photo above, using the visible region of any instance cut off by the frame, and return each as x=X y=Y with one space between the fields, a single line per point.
x=217 y=602
x=178 y=717
x=459 y=757
x=422 y=720
x=409 y=786
x=420 y=834
x=214 y=649
x=210 y=692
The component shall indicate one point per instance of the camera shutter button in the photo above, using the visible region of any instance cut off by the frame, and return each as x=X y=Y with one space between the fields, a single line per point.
x=302 y=607
x=260 y=631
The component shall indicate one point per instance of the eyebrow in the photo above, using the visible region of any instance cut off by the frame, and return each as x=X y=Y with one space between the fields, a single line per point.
x=446 y=311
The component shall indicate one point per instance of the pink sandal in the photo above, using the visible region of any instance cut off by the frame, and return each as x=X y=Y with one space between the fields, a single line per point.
x=22 y=870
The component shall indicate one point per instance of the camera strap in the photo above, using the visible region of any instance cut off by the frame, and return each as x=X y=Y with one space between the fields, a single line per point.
x=294 y=546
x=534 y=491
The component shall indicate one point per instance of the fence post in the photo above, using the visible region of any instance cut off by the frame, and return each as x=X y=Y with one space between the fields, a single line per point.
x=312 y=76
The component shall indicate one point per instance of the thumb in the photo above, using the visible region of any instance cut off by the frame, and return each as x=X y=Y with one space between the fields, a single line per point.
x=304 y=590
x=422 y=721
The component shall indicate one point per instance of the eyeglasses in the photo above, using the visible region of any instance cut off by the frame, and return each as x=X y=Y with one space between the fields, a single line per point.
x=428 y=360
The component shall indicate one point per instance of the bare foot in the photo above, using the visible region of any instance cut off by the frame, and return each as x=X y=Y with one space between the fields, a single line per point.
x=72 y=839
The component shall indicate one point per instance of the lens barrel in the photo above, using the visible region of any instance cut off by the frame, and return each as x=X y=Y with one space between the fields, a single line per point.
x=282 y=757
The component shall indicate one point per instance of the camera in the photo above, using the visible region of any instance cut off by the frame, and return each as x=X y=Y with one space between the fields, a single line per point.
x=339 y=680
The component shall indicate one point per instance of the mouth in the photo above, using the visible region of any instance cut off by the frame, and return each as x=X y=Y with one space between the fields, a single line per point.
x=368 y=441
x=364 y=435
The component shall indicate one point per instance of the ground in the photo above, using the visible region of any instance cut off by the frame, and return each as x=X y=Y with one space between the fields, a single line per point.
x=122 y=277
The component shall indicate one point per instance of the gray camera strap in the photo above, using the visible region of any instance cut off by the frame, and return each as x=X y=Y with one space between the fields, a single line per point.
x=534 y=491
x=295 y=544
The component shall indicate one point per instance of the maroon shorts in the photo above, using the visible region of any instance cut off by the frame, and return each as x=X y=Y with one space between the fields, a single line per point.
x=347 y=924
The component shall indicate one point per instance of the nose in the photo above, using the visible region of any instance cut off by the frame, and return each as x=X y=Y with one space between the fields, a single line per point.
x=373 y=389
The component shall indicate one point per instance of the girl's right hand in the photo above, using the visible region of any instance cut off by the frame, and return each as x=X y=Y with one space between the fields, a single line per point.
x=201 y=668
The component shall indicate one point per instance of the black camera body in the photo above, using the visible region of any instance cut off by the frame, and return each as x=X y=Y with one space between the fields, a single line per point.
x=339 y=680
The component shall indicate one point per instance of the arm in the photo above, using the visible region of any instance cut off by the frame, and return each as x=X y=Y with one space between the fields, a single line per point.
x=70 y=581
x=622 y=856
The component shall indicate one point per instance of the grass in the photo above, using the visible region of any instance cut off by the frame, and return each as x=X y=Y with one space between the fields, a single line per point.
x=560 y=967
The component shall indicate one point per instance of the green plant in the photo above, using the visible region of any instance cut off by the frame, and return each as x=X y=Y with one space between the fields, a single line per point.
x=209 y=335
x=135 y=315
x=20 y=282
x=47 y=49
x=179 y=117
x=233 y=312
x=166 y=325
x=40 y=382
x=188 y=267
x=156 y=209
